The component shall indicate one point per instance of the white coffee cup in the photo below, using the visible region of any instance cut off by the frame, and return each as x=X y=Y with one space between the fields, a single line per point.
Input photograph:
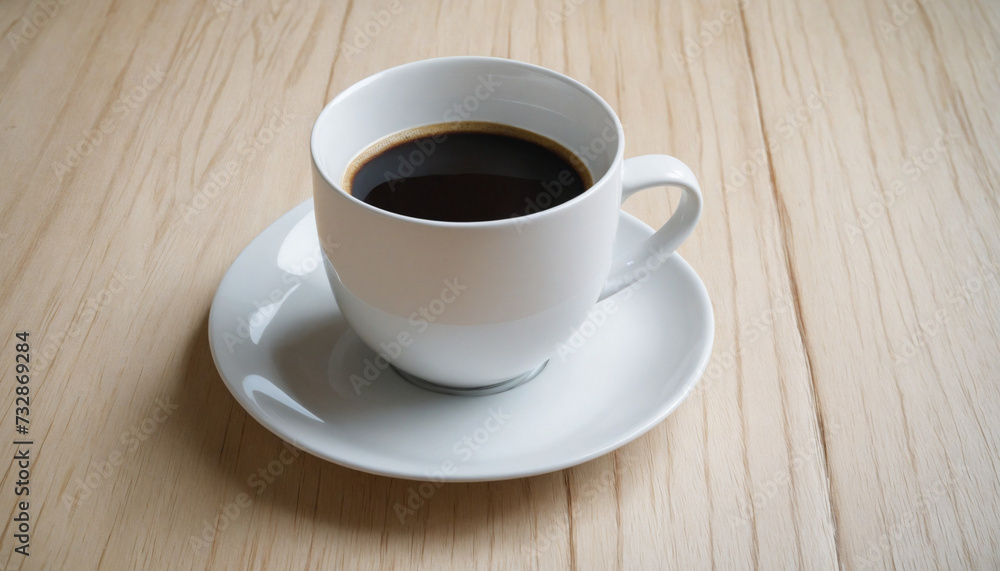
x=478 y=306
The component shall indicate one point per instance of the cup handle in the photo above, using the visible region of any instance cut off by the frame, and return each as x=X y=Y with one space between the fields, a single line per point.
x=645 y=172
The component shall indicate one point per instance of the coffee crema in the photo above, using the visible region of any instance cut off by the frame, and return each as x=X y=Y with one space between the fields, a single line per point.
x=468 y=171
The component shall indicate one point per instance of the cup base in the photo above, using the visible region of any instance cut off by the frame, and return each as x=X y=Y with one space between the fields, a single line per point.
x=474 y=391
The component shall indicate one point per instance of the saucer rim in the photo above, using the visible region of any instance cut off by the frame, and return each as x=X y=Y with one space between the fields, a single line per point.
x=671 y=404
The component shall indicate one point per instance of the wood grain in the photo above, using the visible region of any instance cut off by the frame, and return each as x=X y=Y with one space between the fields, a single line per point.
x=850 y=159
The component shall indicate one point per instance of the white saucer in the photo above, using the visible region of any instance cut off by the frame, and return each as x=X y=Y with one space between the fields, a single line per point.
x=286 y=354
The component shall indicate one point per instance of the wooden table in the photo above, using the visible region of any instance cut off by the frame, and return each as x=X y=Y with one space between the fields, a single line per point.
x=850 y=160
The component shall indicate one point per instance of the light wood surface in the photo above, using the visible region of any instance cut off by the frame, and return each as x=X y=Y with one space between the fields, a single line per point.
x=850 y=159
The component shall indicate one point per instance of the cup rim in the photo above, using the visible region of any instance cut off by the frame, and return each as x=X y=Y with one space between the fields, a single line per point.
x=512 y=221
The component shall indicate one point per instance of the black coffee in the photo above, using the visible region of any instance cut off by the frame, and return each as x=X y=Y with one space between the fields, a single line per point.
x=467 y=172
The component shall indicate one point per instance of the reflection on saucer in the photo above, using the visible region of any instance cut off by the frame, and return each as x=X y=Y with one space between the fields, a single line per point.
x=267 y=396
x=309 y=378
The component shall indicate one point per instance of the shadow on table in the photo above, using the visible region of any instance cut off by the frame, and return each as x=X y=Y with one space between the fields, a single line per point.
x=260 y=473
